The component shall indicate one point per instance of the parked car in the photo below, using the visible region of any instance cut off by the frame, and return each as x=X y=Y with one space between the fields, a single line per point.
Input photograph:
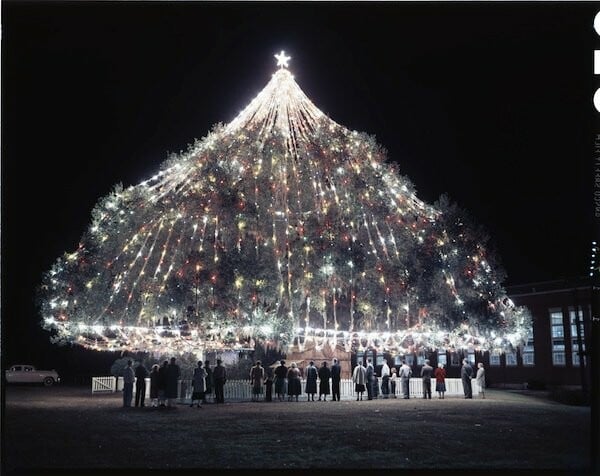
x=29 y=374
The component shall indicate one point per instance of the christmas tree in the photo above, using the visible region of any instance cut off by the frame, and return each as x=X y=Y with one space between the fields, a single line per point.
x=282 y=226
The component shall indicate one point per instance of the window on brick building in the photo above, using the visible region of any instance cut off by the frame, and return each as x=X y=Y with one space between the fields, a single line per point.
x=495 y=359
x=510 y=358
x=558 y=337
x=529 y=353
x=442 y=358
x=576 y=358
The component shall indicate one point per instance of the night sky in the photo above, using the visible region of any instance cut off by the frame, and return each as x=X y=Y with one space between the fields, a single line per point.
x=490 y=103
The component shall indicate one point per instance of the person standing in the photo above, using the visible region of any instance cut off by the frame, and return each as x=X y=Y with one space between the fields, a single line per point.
x=294 y=385
x=324 y=376
x=393 y=379
x=359 y=377
x=140 y=385
x=281 y=380
x=220 y=377
x=440 y=380
x=426 y=373
x=375 y=385
x=162 y=383
x=466 y=372
x=198 y=385
x=385 y=379
x=154 y=375
x=370 y=377
x=172 y=382
x=311 y=381
x=257 y=377
x=209 y=381
x=128 y=379
x=269 y=385
x=336 y=377
x=480 y=379
x=405 y=374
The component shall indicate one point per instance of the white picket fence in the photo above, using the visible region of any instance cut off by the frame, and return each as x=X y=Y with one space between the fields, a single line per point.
x=103 y=384
x=240 y=390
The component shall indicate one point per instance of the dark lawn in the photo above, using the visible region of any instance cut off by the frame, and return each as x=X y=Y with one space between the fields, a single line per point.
x=69 y=428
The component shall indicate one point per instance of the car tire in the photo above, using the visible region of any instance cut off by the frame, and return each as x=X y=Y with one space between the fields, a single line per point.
x=48 y=382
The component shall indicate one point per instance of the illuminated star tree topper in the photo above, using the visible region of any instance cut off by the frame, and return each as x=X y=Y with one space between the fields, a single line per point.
x=282 y=59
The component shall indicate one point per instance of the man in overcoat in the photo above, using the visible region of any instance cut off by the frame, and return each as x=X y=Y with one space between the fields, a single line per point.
x=370 y=379
x=172 y=382
x=466 y=373
x=220 y=377
x=336 y=376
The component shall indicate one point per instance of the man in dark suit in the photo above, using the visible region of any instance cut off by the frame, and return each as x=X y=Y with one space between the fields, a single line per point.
x=426 y=373
x=220 y=377
x=140 y=385
x=466 y=372
x=370 y=379
x=336 y=374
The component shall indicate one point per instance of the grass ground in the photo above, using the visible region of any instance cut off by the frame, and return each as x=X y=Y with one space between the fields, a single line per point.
x=68 y=428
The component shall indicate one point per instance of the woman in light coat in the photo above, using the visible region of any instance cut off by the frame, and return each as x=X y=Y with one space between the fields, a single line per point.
x=294 y=384
x=480 y=379
x=359 y=377
x=154 y=376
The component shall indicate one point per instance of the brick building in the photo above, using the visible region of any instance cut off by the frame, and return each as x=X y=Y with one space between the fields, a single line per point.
x=562 y=316
x=550 y=358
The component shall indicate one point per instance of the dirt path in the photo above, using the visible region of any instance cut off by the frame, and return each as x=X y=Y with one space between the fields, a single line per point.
x=69 y=428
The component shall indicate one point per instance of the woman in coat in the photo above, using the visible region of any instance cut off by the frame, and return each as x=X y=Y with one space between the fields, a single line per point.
x=324 y=376
x=294 y=385
x=257 y=377
x=209 y=381
x=281 y=372
x=198 y=385
x=172 y=382
x=311 y=381
x=162 y=383
x=480 y=379
x=269 y=386
x=359 y=377
x=440 y=380
x=154 y=375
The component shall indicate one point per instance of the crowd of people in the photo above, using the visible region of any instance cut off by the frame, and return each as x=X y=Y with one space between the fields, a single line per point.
x=285 y=382
x=164 y=383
